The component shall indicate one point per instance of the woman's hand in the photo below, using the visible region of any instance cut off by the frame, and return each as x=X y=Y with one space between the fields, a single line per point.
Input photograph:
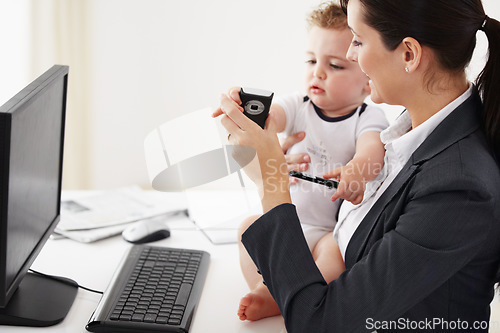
x=234 y=94
x=271 y=161
x=297 y=162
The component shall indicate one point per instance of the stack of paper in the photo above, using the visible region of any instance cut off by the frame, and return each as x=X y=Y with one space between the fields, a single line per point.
x=100 y=215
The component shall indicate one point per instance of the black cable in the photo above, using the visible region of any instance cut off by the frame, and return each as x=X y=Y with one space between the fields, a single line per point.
x=63 y=280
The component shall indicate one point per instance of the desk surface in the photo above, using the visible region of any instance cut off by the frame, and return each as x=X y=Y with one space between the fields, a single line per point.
x=92 y=265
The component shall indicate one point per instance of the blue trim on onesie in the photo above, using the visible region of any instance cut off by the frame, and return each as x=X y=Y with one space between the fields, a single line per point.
x=335 y=119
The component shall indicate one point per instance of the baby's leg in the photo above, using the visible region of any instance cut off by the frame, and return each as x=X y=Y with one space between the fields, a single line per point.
x=246 y=263
x=327 y=256
x=258 y=303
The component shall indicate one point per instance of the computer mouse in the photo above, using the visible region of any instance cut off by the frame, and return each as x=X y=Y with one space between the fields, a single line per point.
x=146 y=231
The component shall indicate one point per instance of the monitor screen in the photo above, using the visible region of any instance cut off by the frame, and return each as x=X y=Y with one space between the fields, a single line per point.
x=31 y=154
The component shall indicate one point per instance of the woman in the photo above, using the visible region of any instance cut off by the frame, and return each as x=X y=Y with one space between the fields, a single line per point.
x=427 y=249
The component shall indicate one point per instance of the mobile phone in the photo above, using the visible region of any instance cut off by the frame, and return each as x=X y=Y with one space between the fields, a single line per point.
x=330 y=183
x=256 y=104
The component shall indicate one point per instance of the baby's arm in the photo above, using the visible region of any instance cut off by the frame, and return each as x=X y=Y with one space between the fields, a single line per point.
x=364 y=166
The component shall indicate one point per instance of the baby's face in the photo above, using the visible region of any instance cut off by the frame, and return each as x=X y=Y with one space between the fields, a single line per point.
x=333 y=83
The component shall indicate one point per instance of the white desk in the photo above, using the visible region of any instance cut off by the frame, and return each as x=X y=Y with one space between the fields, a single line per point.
x=92 y=265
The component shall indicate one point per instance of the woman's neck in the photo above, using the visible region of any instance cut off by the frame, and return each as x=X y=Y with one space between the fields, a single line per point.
x=429 y=100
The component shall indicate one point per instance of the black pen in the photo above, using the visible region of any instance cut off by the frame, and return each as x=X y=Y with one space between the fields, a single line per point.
x=330 y=183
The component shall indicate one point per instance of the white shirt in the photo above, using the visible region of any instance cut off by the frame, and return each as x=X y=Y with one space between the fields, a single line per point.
x=400 y=143
x=330 y=143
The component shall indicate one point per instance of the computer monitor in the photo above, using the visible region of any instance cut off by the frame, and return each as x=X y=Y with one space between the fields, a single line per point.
x=31 y=155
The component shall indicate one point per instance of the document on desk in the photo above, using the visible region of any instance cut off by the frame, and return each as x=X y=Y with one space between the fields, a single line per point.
x=101 y=215
x=219 y=213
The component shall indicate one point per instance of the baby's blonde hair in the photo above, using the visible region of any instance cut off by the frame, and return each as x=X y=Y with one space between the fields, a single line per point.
x=329 y=15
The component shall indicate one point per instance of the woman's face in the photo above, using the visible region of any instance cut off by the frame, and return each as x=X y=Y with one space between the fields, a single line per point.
x=384 y=68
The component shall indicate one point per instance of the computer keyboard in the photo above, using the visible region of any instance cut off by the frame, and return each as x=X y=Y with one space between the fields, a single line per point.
x=155 y=289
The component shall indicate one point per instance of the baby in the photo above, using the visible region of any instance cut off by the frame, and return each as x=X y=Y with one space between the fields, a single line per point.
x=342 y=139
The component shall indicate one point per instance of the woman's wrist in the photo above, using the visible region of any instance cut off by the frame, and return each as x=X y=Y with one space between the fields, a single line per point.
x=275 y=186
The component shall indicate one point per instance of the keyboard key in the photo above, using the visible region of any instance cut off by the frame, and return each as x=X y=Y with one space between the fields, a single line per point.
x=150 y=318
x=125 y=317
x=115 y=315
x=174 y=321
x=178 y=312
x=183 y=295
x=138 y=317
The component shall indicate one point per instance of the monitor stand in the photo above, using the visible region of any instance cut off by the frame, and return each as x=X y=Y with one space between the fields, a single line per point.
x=39 y=301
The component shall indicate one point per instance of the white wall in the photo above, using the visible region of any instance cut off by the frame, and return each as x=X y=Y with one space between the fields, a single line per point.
x=15 y=55
x=155 y=60
x=135 y=64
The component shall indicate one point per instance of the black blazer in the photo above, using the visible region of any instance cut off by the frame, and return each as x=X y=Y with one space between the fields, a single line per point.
x=424 y=257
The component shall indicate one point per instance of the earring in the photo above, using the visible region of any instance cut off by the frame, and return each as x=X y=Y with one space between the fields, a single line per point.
x=407 y=69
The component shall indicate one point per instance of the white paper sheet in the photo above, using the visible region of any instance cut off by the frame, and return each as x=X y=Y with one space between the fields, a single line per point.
x=117 y=207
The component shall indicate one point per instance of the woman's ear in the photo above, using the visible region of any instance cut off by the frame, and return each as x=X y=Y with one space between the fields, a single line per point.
x=411 y=53
x=366 y=88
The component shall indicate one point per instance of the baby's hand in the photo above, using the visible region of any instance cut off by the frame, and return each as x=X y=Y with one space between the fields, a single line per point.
x=351 y=183
x=296 y=162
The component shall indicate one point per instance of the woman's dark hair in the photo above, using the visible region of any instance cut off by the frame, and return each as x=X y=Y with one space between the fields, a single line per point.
x=449 y=28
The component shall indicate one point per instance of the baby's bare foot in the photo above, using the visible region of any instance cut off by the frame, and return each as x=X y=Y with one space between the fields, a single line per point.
x=257 y=304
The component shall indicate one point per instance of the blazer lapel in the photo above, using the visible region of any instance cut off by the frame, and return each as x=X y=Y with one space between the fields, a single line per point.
x=459 y=124
x=357 y=244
